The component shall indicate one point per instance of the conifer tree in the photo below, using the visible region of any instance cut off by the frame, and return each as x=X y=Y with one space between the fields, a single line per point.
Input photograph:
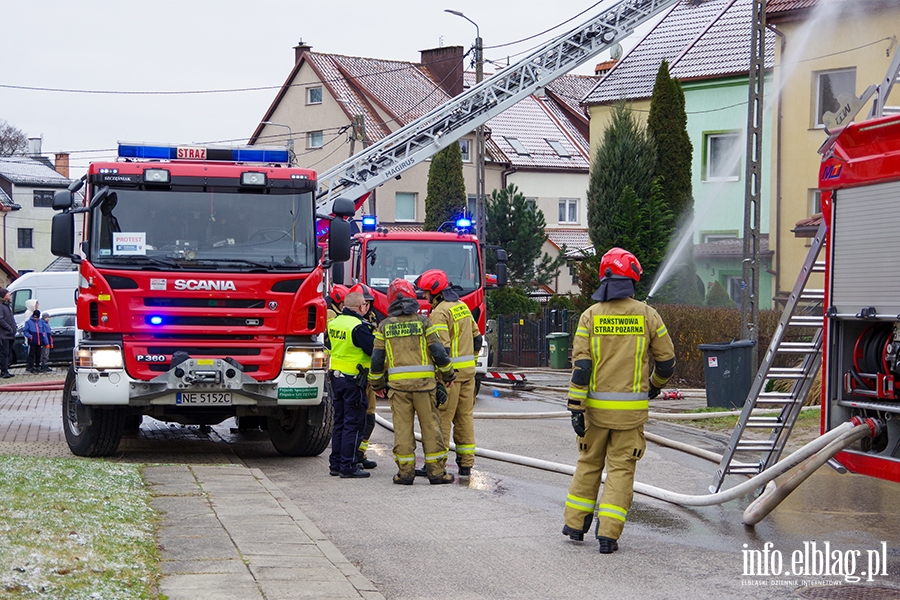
x=446 y=198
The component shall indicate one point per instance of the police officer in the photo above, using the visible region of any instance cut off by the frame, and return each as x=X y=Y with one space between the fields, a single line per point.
x=400 y=362
x=461 y=338
x=351 y=340
x=372 y=319
x=608 y=397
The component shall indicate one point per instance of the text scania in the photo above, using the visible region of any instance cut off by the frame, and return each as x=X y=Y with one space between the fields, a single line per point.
x=220 y=285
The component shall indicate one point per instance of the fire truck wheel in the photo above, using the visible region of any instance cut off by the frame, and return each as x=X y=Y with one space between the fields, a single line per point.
x=477 y=384
x=102 y=436
x=292 y=434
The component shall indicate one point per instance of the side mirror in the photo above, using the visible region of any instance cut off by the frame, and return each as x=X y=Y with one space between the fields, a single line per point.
x=500 y=253
x=62 y=234
x=339 y=240
x=337 y=272
x=501 y=272
x=343 y=208
x=63 y=200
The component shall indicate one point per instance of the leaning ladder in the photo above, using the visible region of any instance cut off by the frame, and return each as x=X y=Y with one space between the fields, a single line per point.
x=767 y=452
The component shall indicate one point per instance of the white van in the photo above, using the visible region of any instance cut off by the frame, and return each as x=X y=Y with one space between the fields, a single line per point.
x=52 y=289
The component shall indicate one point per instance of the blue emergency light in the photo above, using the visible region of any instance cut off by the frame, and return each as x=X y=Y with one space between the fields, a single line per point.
x=156 y=320
x=369 y=222
x=245 y=154
x=464 y=223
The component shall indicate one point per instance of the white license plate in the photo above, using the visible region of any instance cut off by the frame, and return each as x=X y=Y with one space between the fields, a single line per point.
x=204 y=398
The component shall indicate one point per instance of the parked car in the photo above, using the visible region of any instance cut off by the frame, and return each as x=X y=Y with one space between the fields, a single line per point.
x=62 y=324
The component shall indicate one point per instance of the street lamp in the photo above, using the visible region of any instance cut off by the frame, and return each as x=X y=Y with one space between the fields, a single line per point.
x=479 y=132
x=290 y=140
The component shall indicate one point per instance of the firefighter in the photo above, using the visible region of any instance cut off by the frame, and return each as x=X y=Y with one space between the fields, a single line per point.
x=350 y=340
x=609 y=397
x=336 y=300
x=461 y=338
x=407 y=348
x=371 y=318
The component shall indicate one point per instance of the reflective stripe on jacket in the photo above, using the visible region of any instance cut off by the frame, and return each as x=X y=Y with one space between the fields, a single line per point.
x=405 y=340
x=345 y=355
x=457 y=329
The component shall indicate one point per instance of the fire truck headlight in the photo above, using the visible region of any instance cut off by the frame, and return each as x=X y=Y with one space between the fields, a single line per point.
x=252 y=178
x=303 y=359
x=102 y=358
x=157 y=176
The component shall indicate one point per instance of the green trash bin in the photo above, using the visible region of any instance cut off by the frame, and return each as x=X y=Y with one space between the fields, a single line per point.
x=559 y=349
x=728 y=372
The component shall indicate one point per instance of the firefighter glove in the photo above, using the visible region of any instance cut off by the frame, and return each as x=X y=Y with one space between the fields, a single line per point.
x=378 y=384
x=440 y=394
x=578 y=422
x=448 y=376
x=653 y=392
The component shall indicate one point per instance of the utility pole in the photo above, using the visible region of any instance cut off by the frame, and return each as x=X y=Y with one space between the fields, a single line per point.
x=479 y=146
x=753 y=183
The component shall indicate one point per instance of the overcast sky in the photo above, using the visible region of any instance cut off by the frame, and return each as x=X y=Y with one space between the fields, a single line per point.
x=107 y=48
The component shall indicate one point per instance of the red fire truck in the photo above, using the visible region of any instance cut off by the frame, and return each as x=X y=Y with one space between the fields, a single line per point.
x=380 y=255
x=860 y=184
x=201 y=295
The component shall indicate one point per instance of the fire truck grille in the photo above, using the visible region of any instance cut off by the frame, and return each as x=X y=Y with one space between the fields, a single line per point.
x=207 y=351
x=203 y=303
x=204 y=321
x=162 y=368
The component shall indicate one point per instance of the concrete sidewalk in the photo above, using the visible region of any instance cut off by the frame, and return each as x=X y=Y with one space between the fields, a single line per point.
x=227 y=532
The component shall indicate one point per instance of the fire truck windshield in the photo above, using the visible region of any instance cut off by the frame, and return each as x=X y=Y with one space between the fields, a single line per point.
x=213 y=228
x=407 y=259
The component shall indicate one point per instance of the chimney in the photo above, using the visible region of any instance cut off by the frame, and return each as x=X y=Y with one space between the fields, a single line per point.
x=34 y=147
x=299 y=50
x=62 y=164
x=446 y=66
x=603 y=68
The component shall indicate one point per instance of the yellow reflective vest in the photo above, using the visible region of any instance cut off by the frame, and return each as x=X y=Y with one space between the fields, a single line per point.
x=457 y=329
x=345 y=355
x=618 y=337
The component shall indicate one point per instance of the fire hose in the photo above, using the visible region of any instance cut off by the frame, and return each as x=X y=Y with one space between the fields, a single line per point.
x=819 y=451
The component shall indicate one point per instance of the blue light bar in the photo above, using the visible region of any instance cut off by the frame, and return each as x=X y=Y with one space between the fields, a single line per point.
x=261 y=155
x=369 y=222
x=157 y=152
x=245 y=155
x=464 y=223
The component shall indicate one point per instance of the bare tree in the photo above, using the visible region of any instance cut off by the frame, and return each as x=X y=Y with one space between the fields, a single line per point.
x=12 y=140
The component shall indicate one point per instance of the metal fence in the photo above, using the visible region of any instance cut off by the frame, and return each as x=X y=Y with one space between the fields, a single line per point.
x=522 y=338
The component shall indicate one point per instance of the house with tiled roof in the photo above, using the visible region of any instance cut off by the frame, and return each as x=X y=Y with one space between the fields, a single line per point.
x=27 y=186
x=707 y=46
x=332 y=106
x=825 y=48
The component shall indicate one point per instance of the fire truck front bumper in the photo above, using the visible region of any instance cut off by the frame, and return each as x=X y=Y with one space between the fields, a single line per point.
x=211 y=382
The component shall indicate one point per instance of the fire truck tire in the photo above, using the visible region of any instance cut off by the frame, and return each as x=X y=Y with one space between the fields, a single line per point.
x=102 y=436
x=478 y=379
x=292 y=434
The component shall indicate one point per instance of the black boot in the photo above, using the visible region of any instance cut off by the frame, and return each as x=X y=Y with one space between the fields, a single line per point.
x=607 y=545
x=574 y=534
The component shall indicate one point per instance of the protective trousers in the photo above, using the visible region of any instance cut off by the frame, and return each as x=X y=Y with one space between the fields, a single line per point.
x=619 y=449
x=349 y=421
x=369 y=426
x=457 y=412
x=405 y=406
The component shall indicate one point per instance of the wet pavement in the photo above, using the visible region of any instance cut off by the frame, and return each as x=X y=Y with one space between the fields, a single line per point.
x=240 y=521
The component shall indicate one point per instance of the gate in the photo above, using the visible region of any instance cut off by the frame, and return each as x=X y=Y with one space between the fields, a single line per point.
x=522 y=339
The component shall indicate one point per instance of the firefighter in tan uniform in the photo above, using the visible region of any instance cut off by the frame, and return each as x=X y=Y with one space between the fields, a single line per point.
x=461 y=338
x=336 y=300
x=404 y=357
x=609 y=397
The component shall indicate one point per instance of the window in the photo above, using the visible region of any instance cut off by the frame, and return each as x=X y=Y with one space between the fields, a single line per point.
x=717 y=236
x=43 y=198
x=735 y=285
x=723 y=156
x=531 y=204
x=517 y=146
x=568 y=210
x=405 y=206
x=815 y=202
x=314 y=139
x=465 y=150
x=26 y=237
x=472 y=207
x=558 y=148
x=314 y=95
x=829 y=86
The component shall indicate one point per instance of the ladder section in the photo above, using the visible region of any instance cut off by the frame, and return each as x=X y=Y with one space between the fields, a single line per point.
x=446 y=124
x=749 y=455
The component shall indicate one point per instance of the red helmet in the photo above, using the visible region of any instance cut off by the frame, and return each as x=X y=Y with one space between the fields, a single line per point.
x=433 y=280
x=366 y=291
x=338 y=293
x=620 y=263
x=400 y=288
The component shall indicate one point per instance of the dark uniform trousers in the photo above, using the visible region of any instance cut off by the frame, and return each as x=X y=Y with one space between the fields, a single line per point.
x=405 y=406
x=621 y=449
x=349 y=422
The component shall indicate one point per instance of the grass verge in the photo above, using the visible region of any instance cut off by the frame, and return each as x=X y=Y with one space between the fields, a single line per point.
x=75 y=529
x=808 y=419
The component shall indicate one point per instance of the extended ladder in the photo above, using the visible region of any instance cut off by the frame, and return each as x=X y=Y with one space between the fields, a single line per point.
x=795 y=315
x=446 y=124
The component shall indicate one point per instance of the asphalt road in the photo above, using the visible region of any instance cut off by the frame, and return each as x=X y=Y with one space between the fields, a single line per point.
x=498 y=535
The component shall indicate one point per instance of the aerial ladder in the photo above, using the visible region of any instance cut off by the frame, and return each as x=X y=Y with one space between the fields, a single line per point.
x=421 y=139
